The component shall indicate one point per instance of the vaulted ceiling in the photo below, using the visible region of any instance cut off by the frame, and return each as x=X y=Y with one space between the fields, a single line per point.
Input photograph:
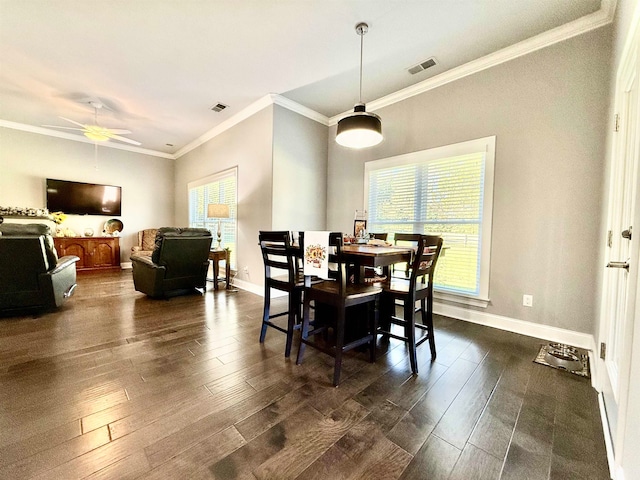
x=158 y=66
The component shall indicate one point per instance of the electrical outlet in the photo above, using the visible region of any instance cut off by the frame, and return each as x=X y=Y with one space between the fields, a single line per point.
x=246 y=270
x=527 y=300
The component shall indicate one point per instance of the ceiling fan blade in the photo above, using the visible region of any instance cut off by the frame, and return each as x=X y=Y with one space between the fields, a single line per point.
x=64 y=128
x=74 y=122
x=118 y=130
x=123 y=139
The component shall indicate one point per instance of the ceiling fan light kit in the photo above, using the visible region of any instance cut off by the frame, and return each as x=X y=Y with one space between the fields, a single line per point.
x=96 y=132
x=360 y=129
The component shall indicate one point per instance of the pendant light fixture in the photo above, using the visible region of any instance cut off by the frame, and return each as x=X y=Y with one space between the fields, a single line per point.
x=360 y=129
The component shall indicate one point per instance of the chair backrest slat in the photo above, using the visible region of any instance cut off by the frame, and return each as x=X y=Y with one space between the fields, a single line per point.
x=277 y=255
x=425 y=259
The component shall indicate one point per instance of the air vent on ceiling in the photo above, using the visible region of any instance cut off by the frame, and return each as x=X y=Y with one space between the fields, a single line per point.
x=422 y=66
x=218 y=107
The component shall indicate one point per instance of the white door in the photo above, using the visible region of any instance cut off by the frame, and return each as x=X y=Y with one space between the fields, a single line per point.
x=621 y=274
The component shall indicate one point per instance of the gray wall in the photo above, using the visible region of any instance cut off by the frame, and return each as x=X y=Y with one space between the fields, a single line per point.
x=548 y=111
x=248 y=146
x=27 y=159
x=299 y=172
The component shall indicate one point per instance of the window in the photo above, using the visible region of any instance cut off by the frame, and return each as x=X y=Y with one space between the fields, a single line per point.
x=446 y=191
x=218 y=188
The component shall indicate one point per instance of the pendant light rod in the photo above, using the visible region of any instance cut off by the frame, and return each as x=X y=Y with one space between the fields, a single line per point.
x=361 y=29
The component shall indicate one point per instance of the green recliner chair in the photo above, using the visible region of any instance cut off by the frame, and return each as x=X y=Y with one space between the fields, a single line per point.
x=178 y=264
x=31 y=274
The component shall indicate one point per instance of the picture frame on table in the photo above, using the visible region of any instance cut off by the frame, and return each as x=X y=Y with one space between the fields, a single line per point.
x=358 y=227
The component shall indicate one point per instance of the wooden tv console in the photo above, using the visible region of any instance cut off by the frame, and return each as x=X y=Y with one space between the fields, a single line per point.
x=96 y=253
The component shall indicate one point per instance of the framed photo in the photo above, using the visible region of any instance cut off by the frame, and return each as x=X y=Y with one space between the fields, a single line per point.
x=359 y=226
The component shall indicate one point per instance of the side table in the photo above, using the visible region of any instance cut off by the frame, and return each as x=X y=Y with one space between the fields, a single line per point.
x=217 y=255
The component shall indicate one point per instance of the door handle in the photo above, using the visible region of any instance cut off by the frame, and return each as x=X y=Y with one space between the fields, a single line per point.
x=624 y=265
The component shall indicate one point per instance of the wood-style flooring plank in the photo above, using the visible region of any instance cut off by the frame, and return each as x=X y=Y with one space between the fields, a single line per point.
x=416 y=426
x=362 y=453
x=435 y=460
x=494 y=429
x=27 y=467
x=216 y=420
x=477 y=464
x=194 y=462
x=458 y=422
x=43 y=441
x=115 y=385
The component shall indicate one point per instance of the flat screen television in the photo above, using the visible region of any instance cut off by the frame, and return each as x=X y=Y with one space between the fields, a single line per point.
x=83 y=198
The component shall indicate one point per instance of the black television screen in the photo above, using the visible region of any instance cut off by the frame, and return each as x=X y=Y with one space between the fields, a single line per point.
x=83 y=198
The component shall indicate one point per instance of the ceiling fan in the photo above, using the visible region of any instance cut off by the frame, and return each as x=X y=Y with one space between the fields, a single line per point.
x=97 y=132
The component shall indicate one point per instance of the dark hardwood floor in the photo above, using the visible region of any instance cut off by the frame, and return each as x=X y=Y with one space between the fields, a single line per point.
x=116 y=385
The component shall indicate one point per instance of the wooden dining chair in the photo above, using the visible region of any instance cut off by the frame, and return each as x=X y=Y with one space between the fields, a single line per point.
x=379 y=236
x=281 y=272
x=418 y=287
x=404 y=240
x=341 y=295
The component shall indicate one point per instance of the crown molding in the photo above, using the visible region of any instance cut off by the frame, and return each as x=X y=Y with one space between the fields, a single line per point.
x=300 y=109
x=251 y=110
x=584 y=24
x=255 y=107
x=81 y=139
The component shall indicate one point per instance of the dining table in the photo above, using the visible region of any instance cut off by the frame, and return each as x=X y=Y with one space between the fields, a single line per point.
x=374 y=256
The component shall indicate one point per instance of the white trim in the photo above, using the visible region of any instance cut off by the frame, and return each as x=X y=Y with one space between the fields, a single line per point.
x=300 y=109
x=461 y=299
x=248 y=286
x=485 y=144
x=252 y=109
x=222 y=174
x=584 y=24
x=255 y=107
x=608 y=442
x=126 y=265
x=81 y=139
x=538 y=330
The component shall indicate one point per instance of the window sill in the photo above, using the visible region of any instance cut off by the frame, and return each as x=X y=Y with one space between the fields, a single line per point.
x=461 y=299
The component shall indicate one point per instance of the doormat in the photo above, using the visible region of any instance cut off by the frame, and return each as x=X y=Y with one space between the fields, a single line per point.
x=564 y=357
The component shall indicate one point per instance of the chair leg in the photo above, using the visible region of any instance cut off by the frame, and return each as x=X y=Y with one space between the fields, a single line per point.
x=429 y=323
x=410 y=332
x=385 y=313
x=339 y=346
x=265 y=313
x=304 y=331
x=291 y=322
x=373 y=328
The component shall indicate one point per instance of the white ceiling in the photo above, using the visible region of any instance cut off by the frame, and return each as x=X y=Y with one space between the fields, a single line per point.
x=160 y=65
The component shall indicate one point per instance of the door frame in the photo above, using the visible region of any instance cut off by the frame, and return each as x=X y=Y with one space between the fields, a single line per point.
x=630 y=59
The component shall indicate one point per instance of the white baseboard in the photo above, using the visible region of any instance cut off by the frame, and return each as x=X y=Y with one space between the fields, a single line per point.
x=546 y=332
x=608 y=442
x=126 y=265
x=250 y=287
x=537 y=330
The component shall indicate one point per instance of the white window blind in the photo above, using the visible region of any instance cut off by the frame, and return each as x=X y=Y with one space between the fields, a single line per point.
x=217 y=188
x=446 y=191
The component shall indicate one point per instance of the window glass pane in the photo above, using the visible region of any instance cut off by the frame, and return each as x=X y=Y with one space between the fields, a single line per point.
x=219 y=188
x=443 y=195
